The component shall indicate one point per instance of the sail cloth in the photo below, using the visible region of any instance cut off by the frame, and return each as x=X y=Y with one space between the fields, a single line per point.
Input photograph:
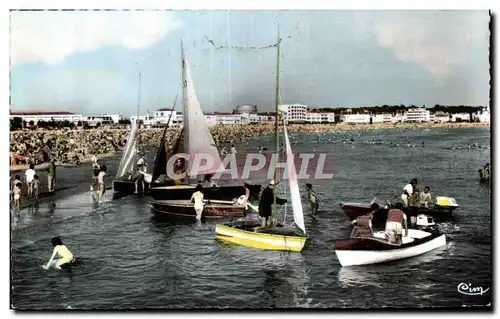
x=198 y=141
x=298 y=214
x=127 y=162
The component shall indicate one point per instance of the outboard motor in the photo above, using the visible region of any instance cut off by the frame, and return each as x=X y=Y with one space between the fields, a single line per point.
x=425 y=222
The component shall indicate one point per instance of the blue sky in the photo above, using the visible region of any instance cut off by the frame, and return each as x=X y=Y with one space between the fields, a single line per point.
x=87 y=62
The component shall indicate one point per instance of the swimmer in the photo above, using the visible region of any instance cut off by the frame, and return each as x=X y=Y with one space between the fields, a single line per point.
x=66 y=257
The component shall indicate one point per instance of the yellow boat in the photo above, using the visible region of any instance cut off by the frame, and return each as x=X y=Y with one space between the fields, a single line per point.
x=250 y=234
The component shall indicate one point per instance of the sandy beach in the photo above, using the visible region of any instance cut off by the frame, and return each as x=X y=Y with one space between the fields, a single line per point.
x=236 y=134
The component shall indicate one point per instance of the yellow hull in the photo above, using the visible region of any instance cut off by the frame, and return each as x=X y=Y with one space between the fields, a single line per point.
x=259 y=240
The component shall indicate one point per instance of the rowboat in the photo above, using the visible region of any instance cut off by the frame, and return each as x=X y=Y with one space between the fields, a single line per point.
x=211 y=208
x=366 y=247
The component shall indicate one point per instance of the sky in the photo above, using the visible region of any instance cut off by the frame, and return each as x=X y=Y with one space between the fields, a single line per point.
x=88 y=62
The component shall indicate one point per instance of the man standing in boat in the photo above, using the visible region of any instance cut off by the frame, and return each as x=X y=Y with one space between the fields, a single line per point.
x=266 y=203
x=394 y=226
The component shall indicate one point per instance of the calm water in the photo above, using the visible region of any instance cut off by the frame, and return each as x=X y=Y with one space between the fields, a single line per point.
x=134 y=261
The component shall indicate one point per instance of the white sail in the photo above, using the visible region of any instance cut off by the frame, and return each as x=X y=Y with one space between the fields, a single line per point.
x=197 y=136
x=298 y=214
x=127 y=162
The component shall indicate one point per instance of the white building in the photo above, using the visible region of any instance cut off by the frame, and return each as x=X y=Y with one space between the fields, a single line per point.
x=483 y=115
x=47 y=116
x=398 y=117
x=317 y=117
x=460 y=117
x=381 y=118
x=355 y=118
x=440 y=117
x=416 y=115
x=294 y=113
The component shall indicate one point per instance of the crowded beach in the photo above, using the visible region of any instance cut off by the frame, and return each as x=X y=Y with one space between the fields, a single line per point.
x=79 y=146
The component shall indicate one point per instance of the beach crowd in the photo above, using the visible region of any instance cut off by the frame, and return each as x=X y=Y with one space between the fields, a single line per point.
x=77 y=145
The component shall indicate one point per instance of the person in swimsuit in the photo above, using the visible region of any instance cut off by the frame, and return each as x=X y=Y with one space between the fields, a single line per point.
x=101 y=189
x=16 y=194
x=66 y=257
x=197 y=199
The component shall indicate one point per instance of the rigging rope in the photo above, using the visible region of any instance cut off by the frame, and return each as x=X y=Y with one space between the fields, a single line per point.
x=219 y=47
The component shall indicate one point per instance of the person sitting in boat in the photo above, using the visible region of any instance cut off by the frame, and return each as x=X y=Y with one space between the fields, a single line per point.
x=408 y=191
x=414 y=199
x=362 y=227
x=484 y=173
x=197 y=199
x=207 y=181
x=66 y=257
x=179 y=168
x=426 y=198
x=396 y=218
x=266 y=203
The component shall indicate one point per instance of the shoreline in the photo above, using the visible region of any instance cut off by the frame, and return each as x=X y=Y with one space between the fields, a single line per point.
x=44 y=166
x=224 y=132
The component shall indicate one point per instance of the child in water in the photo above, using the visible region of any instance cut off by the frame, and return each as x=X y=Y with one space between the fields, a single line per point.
x=36 y=187
x=313 y=199
x=16 y=194
x=66 y=257
x=197 y=199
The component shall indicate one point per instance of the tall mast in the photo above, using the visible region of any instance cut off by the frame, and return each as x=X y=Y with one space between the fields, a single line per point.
x=139 y=96
x=276 y=127
x=185 y=114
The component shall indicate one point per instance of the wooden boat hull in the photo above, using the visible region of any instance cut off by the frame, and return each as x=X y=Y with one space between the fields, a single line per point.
x=174 y=192
x=126 y=187
x=366 y=251
x=259 y=240
x=184 y=208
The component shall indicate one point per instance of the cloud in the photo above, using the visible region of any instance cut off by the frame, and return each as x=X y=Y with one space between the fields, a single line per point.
x=50 y=36
x=437 y=40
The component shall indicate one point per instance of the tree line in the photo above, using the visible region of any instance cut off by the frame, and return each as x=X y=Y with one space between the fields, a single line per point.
x=452 y=109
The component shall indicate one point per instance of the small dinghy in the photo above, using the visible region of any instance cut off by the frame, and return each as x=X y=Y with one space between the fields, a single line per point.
x=211 y=208
x=366 y=247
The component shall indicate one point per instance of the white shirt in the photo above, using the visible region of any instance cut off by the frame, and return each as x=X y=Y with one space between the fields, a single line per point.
x=100 y=177
x=140 y=161
x=233 y=150
x=30 y=175
x=94 y=159
x=198 y=200
x=409 y=189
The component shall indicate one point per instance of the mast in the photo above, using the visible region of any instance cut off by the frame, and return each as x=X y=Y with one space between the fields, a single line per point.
x=185 y=105
x=138 y=96
x=276 y=126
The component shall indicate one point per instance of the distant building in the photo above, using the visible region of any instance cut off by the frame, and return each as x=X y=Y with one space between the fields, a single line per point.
x=249 y=109
x=355 y=118
x=440 y=117
x=458 y=117
x=417 y=115
x=294 y=113
x=57 y=116
x=318 y=117
x=483 y=115
x=381 y=118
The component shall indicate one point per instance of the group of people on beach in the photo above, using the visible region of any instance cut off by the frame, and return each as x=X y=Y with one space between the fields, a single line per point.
x=33 y=184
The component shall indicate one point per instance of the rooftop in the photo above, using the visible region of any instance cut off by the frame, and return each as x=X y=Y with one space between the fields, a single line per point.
x=41 y=113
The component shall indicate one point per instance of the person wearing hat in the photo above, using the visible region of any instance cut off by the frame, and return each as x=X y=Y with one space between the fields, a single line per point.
x=266 y=203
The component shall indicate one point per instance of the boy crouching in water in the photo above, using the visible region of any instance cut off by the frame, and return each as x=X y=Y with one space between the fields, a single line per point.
x=37 y=185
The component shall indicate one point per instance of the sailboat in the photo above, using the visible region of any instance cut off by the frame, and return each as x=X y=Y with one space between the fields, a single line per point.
x=195 y=138
x=250 y=233
x=124 y=184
